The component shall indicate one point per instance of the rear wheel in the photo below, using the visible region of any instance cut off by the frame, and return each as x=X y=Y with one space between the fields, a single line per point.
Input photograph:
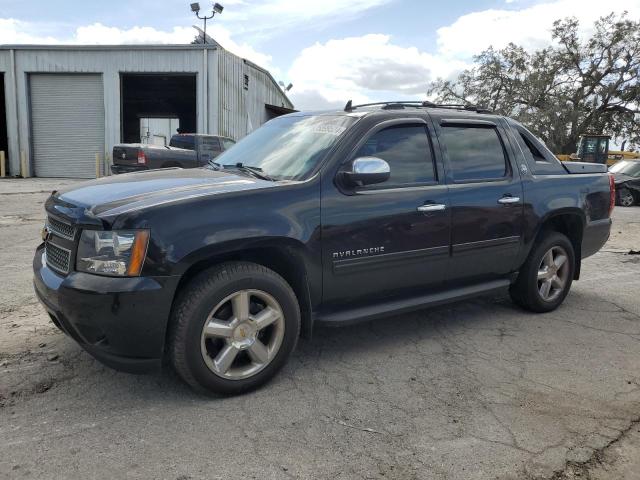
x=545 y=278
x=625 y=197
x=233 y=328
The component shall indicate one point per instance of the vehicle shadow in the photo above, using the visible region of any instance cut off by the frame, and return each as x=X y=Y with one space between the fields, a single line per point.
x=354 y=343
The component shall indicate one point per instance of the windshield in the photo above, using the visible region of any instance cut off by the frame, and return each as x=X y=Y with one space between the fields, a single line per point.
x=627 y=168
x=287 y=148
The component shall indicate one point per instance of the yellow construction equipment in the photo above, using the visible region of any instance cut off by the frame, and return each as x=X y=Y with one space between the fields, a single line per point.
x=594 y=148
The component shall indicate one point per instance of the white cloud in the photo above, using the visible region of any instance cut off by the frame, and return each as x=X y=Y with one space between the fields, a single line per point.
x=530 y=27
x=374 y=67
x=98 y=34
x=14 y=31
x=265 y=18
x=364 y=68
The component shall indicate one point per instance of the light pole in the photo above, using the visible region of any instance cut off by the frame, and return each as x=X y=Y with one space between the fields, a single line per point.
x=195 y=8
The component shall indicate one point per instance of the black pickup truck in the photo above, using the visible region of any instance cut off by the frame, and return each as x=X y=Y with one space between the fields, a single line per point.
x=185 y=150
x=328 y=218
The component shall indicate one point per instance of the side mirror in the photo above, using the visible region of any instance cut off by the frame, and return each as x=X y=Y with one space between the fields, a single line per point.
x=367 y=171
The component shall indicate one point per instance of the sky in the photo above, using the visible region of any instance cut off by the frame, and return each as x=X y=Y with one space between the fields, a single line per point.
x=330 y=50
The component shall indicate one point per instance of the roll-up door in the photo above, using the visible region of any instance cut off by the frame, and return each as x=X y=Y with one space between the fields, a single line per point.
x=67 y=124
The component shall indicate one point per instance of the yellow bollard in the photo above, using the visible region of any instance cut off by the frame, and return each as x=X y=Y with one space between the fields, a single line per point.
x=98 y=165
x=24 y=173
x=3 y=164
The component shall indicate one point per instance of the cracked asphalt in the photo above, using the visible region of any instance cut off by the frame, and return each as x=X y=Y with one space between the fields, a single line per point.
x=474 y=390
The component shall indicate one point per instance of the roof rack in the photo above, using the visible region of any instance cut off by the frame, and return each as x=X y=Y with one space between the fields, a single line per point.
x=349 y=107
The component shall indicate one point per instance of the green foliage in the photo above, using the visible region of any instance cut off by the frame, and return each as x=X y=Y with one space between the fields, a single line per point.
x=572 y=87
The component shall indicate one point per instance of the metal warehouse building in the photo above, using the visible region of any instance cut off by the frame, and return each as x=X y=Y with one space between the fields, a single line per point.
x=60 y=106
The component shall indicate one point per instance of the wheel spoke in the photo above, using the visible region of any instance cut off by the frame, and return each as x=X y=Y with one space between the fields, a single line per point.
x=266 y=317
x=543 y=274
x=225 y=358
x=557 y=282
x=217 y=328
x=258 y=352
x=545 y=288
x=560 y=260
x=548 y=258
x=240 y=305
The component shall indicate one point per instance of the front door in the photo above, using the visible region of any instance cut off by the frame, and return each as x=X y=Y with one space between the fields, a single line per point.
x=382 y=240
x=486 y=199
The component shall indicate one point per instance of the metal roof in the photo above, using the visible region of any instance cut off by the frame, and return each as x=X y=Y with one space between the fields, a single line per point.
x=137 y=46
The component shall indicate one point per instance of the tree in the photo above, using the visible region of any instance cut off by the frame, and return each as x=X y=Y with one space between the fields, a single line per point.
x=567 y=89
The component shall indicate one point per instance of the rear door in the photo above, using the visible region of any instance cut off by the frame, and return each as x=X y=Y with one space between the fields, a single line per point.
x=485 y=192
x=390 y=238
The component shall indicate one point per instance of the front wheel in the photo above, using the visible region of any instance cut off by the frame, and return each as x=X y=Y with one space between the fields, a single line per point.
x=625 y=197
x=545 y=278
x=233 y=328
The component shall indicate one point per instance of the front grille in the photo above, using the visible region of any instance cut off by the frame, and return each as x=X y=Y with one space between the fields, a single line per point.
x=61 y=229
x=57 y=258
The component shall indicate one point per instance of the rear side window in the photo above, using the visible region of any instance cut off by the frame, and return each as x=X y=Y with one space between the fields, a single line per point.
x=210 y=144
x=227 y=143
x=539 y=159
x=183 y=141
x=407 y=151
x=475 y=153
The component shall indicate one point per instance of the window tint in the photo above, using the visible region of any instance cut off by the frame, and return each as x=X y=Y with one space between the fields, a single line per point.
x=406 y=150
x=183 y=141
x=210 y=144
x=538 y=157
x=475 y=153
x=535 y=153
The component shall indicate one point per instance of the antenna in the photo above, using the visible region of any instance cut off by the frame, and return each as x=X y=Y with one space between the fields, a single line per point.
x=348 y=106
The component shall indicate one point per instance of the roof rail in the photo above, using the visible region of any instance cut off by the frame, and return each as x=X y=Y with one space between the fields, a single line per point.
x=349 y=107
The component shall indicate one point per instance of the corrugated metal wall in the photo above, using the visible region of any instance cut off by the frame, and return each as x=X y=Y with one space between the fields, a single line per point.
x=240 y=109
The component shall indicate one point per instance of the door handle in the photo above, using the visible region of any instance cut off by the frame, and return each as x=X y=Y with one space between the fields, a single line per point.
x=509 y=200
x=432 y=207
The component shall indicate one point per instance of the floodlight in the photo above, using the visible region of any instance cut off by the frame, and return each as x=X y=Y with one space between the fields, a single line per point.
x=218 y=8
x=195 y=7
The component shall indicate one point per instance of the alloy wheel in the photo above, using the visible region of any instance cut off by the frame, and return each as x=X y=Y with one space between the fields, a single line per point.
x=553 y=273
x=626 y=198
x=242 y=334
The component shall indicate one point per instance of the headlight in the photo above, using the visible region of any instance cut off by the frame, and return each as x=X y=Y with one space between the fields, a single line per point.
x=116 y=253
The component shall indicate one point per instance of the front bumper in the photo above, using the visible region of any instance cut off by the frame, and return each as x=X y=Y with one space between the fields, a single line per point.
x=122 y=322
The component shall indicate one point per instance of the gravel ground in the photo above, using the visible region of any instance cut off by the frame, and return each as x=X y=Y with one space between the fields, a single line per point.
x=475 y=390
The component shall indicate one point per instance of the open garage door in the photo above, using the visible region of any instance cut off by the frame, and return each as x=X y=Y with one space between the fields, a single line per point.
x=67 y=124
x=148 y=96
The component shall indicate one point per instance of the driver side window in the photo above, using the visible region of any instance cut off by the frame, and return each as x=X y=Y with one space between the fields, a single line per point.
x=407 y=150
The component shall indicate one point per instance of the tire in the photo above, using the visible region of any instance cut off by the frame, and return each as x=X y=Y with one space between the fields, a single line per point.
x=530 y=287
x=625 y=198
x=252 y=305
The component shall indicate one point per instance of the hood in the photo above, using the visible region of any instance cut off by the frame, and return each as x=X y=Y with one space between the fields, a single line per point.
x=621 y=178
x=134 y=191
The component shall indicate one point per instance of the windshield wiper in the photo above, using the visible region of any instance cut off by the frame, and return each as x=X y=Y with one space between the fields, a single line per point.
x=215 y=165
x=255 y=171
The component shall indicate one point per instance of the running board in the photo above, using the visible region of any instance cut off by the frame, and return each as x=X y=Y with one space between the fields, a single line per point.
x=355 y=315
